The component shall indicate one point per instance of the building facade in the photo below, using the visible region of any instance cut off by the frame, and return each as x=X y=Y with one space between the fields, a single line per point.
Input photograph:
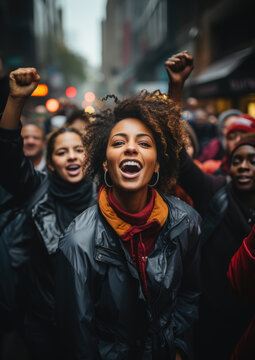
x=138 y=36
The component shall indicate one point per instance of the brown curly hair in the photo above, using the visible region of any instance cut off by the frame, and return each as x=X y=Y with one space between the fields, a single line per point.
x=159 y=113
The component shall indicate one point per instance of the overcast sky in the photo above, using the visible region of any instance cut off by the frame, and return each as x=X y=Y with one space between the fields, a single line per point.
x=82 y=26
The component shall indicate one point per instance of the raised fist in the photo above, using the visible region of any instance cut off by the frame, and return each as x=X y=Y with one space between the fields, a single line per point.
x=179 y=67
x=23 y=82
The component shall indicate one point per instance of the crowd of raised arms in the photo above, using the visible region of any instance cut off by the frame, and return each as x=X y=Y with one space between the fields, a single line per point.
x=127 y=234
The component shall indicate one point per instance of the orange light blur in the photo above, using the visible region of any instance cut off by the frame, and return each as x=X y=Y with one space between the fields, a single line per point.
x=41 y=90
x=89 y=96
x=71 y=92
x=52 y=105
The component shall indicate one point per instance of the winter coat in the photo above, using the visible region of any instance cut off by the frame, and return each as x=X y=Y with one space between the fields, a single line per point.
x=101 y=308
x=32 y=244
x=222 y=317
x=241 y=275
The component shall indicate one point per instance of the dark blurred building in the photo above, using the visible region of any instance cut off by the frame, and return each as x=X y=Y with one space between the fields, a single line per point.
x=138 y=36
x=28 y=30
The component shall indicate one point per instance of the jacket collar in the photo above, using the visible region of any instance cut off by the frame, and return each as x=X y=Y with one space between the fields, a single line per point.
x=108 y=242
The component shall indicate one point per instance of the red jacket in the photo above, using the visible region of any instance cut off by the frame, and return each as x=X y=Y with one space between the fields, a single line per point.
x=241 y=274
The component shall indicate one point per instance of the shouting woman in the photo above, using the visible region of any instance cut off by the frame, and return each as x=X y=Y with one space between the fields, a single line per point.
x=128 y=268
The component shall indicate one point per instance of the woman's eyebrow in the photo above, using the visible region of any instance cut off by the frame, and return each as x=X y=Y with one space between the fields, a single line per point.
x=141 y=135
x=119 y=134
x=125 y=135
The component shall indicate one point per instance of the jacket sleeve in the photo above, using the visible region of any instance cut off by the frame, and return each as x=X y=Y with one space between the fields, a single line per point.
x=18 y=175
x=197 y=184
x=74 y=304
x=186 y=310
x=241 y=272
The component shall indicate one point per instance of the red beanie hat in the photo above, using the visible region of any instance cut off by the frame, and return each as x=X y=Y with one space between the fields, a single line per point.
x=244 y=122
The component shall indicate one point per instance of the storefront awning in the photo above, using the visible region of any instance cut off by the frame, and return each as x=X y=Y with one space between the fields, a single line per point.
x=233 y=75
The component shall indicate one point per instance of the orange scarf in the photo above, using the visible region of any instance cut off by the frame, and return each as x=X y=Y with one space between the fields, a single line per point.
x=159 y=212
x=137 y=231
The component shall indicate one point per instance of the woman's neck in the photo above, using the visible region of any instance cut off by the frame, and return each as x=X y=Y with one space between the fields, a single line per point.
x=131 y=202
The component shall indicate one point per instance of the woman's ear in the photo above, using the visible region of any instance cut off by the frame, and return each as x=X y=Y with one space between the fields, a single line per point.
x=157 y=167
x=105 y=165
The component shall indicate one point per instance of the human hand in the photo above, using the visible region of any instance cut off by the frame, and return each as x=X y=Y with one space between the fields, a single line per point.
x=23 y=82
x=179 y=67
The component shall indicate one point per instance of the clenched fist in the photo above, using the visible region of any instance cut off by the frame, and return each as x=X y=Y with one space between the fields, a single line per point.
x=23 y=82
x=179 y=67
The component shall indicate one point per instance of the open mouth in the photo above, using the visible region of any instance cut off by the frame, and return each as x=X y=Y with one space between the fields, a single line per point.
x=73 y=170
x=130 y=168
x=244 y=180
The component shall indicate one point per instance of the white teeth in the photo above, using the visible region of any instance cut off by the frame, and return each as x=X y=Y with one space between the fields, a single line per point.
x=131 y=163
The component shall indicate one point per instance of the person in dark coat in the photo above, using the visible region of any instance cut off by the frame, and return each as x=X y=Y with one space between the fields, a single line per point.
x=228 y=216
x=64 y=194
x=128 y=268
x=241 y=276
x=242 y=265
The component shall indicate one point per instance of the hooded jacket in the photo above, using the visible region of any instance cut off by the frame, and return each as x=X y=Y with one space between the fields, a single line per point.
x=101 y=308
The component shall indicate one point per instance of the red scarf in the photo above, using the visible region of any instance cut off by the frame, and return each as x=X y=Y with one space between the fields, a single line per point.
x=138 y=231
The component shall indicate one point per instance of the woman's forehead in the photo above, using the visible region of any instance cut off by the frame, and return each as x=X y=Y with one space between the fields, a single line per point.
x=131 y=126
x=67 y=139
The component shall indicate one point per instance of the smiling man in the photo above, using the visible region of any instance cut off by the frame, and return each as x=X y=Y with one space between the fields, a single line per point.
x=34 y=144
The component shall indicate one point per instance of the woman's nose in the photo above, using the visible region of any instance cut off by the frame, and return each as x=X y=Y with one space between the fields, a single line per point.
x=131 y=148
x=72 y=154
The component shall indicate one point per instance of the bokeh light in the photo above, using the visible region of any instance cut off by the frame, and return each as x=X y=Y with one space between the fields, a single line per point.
x=41 y=90
x=251 y=109
x=71 y=92
x=89 y=109
x=52 y=105
x=89 y=96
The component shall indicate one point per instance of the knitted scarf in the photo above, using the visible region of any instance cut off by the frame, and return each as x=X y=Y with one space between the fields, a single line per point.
x=138 y=231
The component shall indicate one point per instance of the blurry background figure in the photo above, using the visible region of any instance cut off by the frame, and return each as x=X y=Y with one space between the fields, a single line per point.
x=78 y=119
x=242 y=125
x=40 y=114
x=204 y=130
x=190 y=106
x=212 y=113
x=192 y=148
x=34 y=144
x=215 y=149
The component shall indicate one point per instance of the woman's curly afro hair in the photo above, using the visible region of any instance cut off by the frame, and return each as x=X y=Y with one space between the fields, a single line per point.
x=159 y=113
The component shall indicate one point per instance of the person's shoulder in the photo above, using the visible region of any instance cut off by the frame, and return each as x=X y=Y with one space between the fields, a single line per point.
x=83 y=221
x=77 y=242
x=180 y=207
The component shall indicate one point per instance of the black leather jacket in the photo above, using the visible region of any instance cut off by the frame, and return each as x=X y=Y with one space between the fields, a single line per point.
x=102 y=311
x=30 y=244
